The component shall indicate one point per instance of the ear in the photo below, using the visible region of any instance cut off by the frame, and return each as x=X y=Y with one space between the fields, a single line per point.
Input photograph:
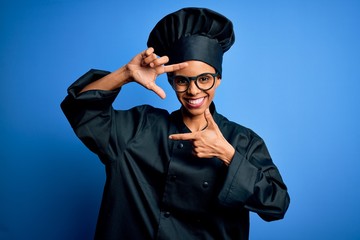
x=218 y=81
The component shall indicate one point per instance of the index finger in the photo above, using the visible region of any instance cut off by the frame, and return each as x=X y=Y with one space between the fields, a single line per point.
x=182 y=136
x=175 y=67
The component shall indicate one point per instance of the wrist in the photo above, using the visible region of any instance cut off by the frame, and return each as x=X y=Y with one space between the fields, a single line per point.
x=123 y=75
x=228 y=153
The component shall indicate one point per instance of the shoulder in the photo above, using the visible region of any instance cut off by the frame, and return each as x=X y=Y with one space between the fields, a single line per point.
x=235 y=132
x=228 y=125
x=150 y=111
x=146 y=113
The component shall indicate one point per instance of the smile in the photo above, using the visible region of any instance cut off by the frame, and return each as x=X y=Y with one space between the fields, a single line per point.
x=195 y=102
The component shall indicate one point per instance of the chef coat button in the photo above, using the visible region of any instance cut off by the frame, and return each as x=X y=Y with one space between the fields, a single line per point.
x=180 y=145
x=205 y=184
x=173 y=178
x=167 y=214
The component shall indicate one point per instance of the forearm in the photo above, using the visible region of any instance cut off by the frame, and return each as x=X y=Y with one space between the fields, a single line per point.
x=254 y=181
x=111 y=81
x=270 y=198
x=76 y=106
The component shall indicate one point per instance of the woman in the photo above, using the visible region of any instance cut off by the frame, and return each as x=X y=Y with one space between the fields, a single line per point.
x=191 y=174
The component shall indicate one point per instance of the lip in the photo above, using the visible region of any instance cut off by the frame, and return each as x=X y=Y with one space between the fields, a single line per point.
x=195 y=102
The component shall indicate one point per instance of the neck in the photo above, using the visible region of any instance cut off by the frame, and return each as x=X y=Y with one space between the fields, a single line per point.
x=194 y=123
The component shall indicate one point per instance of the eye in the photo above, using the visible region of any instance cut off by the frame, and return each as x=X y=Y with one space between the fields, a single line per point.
x=180 y=80
x=204 y=78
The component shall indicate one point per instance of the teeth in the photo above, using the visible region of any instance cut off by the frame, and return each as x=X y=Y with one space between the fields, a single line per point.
x=195 y=101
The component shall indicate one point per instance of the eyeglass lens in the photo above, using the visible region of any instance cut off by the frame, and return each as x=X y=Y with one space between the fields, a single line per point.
x=204 y=82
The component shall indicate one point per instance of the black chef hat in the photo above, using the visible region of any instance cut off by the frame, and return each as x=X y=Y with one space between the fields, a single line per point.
x=193 y=34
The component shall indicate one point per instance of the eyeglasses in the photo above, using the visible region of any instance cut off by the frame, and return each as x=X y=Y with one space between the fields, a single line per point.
x=204 y=81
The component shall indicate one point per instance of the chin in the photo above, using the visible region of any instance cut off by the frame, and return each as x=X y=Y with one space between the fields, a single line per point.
x=194 y=111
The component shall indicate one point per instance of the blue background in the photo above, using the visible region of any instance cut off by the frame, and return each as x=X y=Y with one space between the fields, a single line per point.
x=292 y=76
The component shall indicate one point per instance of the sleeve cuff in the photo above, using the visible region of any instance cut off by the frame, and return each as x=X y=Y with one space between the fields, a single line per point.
x=239 y=182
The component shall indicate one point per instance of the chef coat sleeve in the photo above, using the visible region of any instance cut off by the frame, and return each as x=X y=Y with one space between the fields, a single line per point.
x=91 y=116
x=254 y=182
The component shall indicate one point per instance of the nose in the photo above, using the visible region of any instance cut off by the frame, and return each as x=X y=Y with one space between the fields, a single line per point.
x=193 y=89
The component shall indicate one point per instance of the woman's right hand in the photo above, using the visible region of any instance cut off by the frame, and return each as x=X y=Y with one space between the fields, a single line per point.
x=146 y=66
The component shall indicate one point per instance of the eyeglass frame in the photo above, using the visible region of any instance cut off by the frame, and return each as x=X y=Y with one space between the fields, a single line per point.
x=189 y=79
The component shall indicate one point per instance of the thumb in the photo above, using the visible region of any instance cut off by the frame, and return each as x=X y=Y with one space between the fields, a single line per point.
x=159 y=91
x=156 y=89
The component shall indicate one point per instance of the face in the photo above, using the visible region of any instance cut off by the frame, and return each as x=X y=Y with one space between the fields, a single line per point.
x=195 y=101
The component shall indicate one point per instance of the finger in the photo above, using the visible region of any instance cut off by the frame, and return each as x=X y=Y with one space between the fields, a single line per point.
x=156 y=89
x=175 y=67
x=149 y=51
x=147 y=59
x=159 y=61
x=182 y=136
x=159 y=91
